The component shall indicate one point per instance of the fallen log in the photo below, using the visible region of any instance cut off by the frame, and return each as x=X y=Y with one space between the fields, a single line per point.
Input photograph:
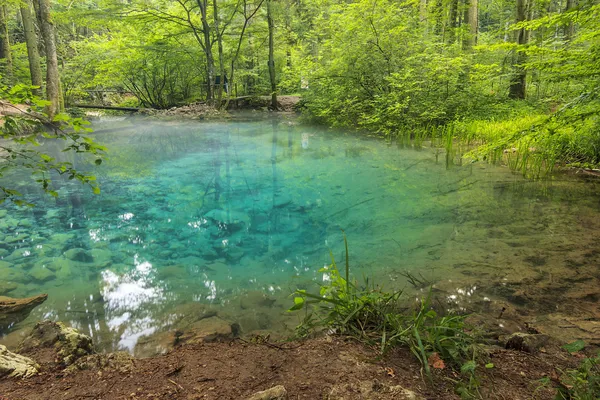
x=130 y=109
x=15 y=310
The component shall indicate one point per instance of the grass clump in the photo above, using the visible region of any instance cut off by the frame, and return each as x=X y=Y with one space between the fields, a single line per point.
x=379 y=318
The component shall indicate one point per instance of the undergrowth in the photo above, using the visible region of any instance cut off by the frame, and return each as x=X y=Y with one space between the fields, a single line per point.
x=380 y=319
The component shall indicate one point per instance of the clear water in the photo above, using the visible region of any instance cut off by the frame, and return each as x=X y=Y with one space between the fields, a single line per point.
x=207 y=216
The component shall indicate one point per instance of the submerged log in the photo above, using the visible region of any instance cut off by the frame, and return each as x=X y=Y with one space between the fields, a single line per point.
x=15 y=310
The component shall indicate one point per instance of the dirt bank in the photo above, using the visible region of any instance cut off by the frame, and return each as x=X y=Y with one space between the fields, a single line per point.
x=324 y=368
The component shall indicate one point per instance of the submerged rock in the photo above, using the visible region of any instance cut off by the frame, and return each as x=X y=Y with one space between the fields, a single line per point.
x=6 y=287
x=530 y=343
x=213 y=329
x=13 y=365
x=42 y=274
x=78 y=254
x=275 y=393
x=15 y=310
x=68 y=342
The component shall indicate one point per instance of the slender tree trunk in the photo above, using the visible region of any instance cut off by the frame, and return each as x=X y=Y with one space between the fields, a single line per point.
x=452 y=21
x=570 y=27
x=32 y=47
x=52 y=75
x=221 y=60
x=210 y=61
x=518 y=84
x=472 y=18
x=5 y=45
x=271 y=56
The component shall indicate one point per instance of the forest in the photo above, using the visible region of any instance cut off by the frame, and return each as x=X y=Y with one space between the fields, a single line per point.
x=422 y=223
x=518 y=79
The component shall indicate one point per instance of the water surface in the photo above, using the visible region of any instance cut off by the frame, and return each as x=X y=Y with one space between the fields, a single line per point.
x=231 y=217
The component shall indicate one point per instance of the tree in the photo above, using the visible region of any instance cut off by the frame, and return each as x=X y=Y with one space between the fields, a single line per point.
x=271 y=57
x=518 y=84
x=5 y=53
x=53 y=92
x=32 y=46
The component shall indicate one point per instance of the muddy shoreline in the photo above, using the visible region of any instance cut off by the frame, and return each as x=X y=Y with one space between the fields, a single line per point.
x=328 y=367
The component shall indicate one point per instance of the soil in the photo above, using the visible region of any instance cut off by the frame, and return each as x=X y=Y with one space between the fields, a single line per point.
x=322 y=368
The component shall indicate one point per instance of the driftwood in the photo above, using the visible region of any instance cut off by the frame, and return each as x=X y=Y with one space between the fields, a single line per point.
x=16 y=310
x=130 y=109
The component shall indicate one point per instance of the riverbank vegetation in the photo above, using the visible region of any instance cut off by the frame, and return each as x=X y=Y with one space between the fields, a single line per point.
x=517 y=79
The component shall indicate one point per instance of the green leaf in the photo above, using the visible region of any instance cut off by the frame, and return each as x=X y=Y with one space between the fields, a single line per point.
x=298 y=304
x=98 y=161
x=575 y=346
x=468 y=367
x=96 y=190
x=489 y=365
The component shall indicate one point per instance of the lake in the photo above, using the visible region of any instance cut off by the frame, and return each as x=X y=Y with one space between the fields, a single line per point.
x=229 y=218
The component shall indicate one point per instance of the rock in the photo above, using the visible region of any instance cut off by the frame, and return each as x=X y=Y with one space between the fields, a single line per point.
x=18 y=254
x=371 y=390
x=6 y=287
x=102 y=258
x=121 y=362
x=41 y=274
x=234 y=254
x=275 y=393
x=68 y=342
x=526 y=342
x=78 y=254
x=16 y=366
x=255 y=299
x=212 y=329
x=15 y=310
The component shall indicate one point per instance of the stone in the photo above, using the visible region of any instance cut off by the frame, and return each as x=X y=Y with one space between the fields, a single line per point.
x=78 y=254
x=61 y=239
x=69 y=344
x=6 y=287
x=121 y=362
x=102 y=257
x=18 y=254
x=255 y=299
x=234 y=254
x=14 y=310
x=41 y=274
x=213 y=329
x=275 y=393
x=529 y=343
x=13 y=365
x=371 y=390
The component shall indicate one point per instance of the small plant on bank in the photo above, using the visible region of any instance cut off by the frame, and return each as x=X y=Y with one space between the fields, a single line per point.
x=582 y=383
x=378 y=318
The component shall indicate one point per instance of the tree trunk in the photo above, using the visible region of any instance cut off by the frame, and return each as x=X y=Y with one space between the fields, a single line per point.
x=5 y=45
x=518 y=84
x=210 y=61
x=452 y=21
x=271 y=57
x=569 y=29
x=32 y=47
x=52 y=76
x=471 y=18
x=221 y=59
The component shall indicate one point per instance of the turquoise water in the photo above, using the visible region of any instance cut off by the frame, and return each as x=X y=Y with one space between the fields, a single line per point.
x=231 y=217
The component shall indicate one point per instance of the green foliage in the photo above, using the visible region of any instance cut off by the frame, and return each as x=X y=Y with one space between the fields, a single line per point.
x=378 y=318
x=582 y=383
x=25 y=130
